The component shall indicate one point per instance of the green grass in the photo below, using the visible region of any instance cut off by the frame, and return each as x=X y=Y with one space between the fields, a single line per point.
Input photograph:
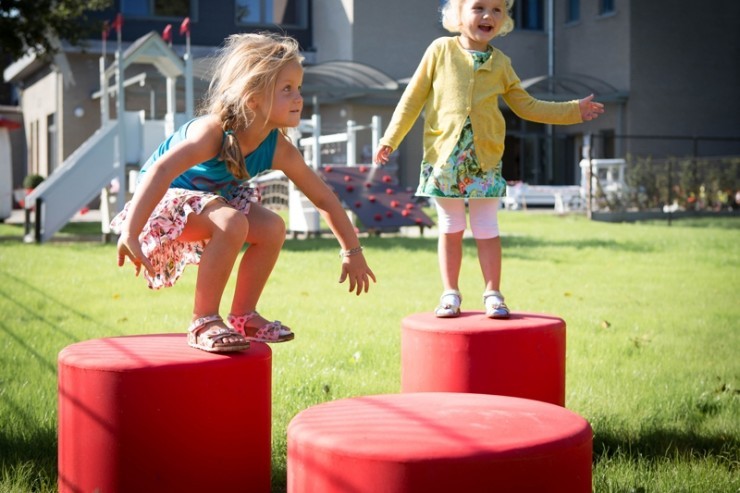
x=652 y=314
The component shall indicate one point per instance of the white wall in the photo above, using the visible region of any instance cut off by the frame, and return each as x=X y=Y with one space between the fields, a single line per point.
x=332 y=32
x=38 y=102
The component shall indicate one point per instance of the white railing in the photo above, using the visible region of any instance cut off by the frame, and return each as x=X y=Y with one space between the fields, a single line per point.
x=311 y=146
x=303 y=217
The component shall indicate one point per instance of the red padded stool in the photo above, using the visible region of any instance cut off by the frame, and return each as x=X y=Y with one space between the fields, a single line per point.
x=438 y=442
x=150 y=414
x=523 y=356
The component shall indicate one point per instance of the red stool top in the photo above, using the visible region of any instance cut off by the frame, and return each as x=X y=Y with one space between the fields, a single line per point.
x=147 y=351
x=476 y=321
x=400 y=427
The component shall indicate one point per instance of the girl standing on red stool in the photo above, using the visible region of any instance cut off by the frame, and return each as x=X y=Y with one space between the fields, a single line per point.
x=193 y=204
x=458 y=84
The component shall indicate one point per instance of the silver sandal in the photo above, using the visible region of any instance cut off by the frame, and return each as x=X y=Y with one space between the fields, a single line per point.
x=449 y=304
x=211 y=340
x=270 y=332
x=495 y=306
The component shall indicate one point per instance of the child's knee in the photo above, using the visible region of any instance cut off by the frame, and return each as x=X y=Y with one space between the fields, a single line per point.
x=450 y=215
x=269 y=228
x=484 y=218
x=237 y=227
x=278 y=228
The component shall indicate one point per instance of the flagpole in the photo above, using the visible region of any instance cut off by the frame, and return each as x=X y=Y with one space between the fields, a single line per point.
x=104 y=114
x=189 y=110
x=121 y=115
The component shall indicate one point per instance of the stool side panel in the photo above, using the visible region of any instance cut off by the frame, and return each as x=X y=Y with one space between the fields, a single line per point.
x=139 y=429
x=526 y=362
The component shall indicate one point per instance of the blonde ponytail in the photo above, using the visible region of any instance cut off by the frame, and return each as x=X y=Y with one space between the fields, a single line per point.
x=231 y=151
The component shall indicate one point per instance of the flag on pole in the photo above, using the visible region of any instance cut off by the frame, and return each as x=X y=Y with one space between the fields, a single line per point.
x=118 y=23
x=185 y=26
x=167 y=33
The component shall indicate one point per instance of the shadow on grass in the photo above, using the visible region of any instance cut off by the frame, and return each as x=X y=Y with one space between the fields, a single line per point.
x=664 y=443
x=35 y=452
x=72 y=232
x=43 y=361
x=19 y=283
x=515 y=243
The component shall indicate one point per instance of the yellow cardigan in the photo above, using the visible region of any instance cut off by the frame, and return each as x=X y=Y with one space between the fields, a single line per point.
x=448 y=89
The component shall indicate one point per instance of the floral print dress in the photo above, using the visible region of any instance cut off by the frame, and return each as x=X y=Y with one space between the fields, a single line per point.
x=159 y=238
x=461 y=176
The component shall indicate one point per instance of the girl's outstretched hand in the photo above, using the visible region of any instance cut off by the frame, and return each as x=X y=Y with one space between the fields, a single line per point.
x=356 y=269
x=590 y=109
x=382 y=155
x=131 y=247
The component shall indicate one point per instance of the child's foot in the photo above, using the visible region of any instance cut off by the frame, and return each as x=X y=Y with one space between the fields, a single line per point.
x=210 y=334
x=260 y=330
x=495 y=306
x=449 y=304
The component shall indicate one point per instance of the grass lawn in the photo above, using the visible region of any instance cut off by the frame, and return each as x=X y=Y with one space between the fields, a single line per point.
x=653 y=336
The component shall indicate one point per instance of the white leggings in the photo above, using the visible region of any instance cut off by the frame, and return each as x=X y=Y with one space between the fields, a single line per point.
x=483 y=216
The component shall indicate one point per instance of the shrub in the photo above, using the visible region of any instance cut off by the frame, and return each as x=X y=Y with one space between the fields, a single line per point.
x=32 y=181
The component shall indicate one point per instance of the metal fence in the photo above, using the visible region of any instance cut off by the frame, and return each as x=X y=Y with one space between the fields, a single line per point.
x=672 y=174
x=656 y=174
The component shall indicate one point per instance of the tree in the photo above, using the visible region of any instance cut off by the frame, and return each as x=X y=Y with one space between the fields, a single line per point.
x=37 y=25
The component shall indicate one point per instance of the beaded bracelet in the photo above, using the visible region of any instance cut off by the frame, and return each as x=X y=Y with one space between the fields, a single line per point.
x=350 y=252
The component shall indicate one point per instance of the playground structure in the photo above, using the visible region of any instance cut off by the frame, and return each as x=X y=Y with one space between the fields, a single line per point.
x=93 y=170
x=371 y=194
x=103 y=161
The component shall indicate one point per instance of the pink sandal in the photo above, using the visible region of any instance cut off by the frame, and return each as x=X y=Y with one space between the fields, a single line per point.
x=270 y=332
x=200 y=336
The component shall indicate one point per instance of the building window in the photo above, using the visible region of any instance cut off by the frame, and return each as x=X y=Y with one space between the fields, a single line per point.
x=284 y=13
x=157 y=8
x=529 y=15
x=607 y=143
x=606 y=7
x=574 y=11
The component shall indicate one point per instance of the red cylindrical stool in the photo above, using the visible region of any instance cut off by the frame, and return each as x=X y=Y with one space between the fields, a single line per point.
x=523 y=356
x=430 y=442
x=150 y=414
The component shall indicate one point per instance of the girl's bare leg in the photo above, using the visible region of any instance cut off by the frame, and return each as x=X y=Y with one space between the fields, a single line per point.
x=449 y=251
x=265 y=237
x=489 y=256
x=225 y=228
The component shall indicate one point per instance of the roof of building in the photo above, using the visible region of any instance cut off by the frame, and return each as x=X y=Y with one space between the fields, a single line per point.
x=573 y=86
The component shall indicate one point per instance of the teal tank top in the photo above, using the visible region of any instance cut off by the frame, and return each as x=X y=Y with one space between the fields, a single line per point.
x=212 y=175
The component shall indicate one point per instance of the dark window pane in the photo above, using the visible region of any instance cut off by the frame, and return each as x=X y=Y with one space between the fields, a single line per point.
x=574 y=10
x=530 y=15
x=172 y=8
x=607 y=6
x=272 y=12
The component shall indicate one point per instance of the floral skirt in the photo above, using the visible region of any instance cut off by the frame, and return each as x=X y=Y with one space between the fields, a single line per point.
x=461 y=176
x=159 y=238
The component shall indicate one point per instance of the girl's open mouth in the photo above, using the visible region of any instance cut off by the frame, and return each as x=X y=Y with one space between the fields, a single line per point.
x=487 y=29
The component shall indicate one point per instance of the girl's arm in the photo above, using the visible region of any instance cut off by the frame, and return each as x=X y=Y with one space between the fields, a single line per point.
x=590 y=109
x=529 y=108
x=203 y=142
x=289 y=160
x=409 y=107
